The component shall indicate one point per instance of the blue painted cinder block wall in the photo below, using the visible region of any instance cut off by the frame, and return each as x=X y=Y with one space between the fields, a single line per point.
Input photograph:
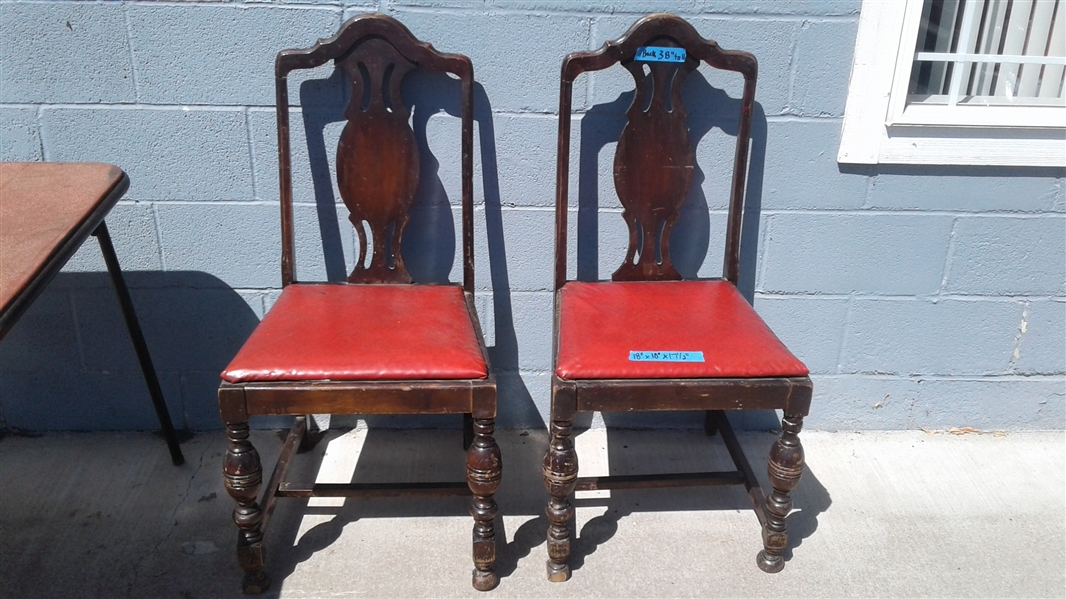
x=919 y=296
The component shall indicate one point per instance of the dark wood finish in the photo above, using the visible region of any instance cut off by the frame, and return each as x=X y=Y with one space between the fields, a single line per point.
x=377 y=173
x=659 y=30
x=653 y=168
x=560 y=479
x=401 y=48
x=377 y=134
x=653 y=172
x=47 y=210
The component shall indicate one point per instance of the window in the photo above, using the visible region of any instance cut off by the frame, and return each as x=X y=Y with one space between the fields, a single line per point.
x=958 y=82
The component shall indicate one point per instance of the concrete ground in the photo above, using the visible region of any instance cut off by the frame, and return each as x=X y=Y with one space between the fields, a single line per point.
x=878 y=514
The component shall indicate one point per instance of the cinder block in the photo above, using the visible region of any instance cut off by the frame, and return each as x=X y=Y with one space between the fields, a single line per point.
x=515 y=249
x=132 y=229
x=523 y=400
x=65 y=52
x=526 y=148
x=811 y=327
x=916 y=337
x=860 y=402
x=199 y=403
x=485 y=304
x=269 y=297
x=239 y=244
x=433 y=246
x=72 y=400
x=186 y=329
x=310 y=180
x=822 y=62
x=44 y=338
x=20 y=133
x=1009 y=256
x=801 y=169
x=993 y=404
x=528 y=334
x=844 y=253
x=219 y=53
x=684 y=8
x=254 y=299
x=168 y=154
x=516 y=61
x=470 y=4
x=324 y=242
x=1042 y=347
x=977 y=189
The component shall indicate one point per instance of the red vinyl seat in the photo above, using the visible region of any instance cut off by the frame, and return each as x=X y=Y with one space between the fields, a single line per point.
x=710 y=317
x=362 y=332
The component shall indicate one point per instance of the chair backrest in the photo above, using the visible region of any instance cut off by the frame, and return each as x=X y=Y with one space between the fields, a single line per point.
x=377 y=157
x=654 y=160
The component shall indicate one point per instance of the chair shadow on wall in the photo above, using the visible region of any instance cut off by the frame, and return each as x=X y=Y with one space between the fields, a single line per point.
x=193 y=324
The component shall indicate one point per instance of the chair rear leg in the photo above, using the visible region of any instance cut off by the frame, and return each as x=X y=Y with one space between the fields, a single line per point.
x=710 y=422
x=468 y=430
x=484 y=469
x=243 y=475
x=560 y=477
x=785 y=469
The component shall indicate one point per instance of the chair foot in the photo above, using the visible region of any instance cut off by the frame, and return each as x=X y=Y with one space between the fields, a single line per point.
x=484 y=469
x=255 y=583
x=560 y=477
x=485 y=581
x=771 y=564
x=558 y=572
x=785 y=469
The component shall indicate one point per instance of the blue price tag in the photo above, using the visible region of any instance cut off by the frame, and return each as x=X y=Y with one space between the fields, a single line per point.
x=660 y=54
x=665 y=356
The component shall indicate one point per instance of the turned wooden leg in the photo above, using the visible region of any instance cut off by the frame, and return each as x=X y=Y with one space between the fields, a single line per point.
x=244 y=475
x=484 y=469
x=560 y=476
x=785 y=469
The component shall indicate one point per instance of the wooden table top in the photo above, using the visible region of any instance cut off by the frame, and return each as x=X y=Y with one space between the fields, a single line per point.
x=43 y=206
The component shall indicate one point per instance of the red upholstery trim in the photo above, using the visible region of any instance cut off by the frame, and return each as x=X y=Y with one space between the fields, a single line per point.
x=600 y=323
x=362 y=332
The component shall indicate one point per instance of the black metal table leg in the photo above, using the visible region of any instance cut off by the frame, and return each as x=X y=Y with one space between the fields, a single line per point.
x=139 y=345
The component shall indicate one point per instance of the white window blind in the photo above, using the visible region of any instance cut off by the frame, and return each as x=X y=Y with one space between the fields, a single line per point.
x=990 y=52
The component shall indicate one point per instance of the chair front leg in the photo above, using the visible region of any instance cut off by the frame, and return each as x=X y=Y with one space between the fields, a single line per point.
x=243 y=474
x=484 y=469
x=560 y=477
x=785 y=469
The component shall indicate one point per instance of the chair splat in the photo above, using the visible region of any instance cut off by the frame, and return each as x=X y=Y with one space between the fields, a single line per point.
x=377 y=158
x=653 y=166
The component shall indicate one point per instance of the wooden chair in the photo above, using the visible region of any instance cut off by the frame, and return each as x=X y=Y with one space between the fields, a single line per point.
x=648 y=340
x=378 y=344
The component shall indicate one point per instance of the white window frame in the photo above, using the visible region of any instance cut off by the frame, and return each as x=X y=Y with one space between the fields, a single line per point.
x=880 y=129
